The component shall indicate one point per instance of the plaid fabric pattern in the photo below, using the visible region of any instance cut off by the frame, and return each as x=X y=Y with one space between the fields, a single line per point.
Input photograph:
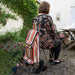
x=32 y=47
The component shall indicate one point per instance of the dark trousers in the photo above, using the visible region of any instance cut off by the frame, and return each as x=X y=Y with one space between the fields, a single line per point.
x=55 y=51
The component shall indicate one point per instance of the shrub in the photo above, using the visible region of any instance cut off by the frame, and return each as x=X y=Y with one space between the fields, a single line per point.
x=26 y=8
x=4 y=17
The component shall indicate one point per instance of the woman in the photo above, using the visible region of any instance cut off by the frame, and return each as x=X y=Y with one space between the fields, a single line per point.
x=48 y=36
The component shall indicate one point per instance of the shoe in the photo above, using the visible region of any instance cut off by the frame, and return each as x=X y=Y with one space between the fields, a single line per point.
x=51 y=60
x=57 y=62
x=37 y=71
x=44 y=68
x=41 y=63
x=41 y=66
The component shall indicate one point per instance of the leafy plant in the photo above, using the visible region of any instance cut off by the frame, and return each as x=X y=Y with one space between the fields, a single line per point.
x=26 y=8
x=11 y=54
x=7 y=36
x=12 y=45
x=4 y=17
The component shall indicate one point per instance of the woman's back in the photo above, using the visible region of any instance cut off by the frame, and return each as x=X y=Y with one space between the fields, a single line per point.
x=47 y=32
x=46 y=28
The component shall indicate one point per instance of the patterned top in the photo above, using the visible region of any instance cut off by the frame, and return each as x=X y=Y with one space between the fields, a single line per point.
x=46 y=30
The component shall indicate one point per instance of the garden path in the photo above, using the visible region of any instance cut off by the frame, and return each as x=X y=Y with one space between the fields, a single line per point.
x=67 y=67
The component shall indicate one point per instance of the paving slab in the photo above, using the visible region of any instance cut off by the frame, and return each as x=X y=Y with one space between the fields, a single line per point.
x=66 y=67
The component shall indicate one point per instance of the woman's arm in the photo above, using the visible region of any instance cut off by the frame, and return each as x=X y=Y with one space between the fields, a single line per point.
x=55 y=31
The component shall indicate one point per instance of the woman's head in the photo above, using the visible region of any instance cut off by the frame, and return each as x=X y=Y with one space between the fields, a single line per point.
x=44 y=7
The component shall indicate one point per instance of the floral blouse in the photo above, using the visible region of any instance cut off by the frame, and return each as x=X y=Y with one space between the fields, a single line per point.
x=46 y=30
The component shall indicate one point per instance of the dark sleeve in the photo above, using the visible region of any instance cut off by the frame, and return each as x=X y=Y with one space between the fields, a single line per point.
x=54 y=29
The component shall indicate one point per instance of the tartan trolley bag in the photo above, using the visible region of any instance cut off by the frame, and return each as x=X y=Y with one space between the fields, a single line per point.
x=32 y=49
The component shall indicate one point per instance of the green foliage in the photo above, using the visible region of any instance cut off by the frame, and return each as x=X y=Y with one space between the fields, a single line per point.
x=26 y=8
x=4 y=63
x=4 y=17
x=11 y=51
x=11 y=54
x=19 y=36
x=7 y=36
x=23 y=33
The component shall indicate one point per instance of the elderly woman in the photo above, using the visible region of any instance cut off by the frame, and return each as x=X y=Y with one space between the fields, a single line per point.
x=46 y=28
